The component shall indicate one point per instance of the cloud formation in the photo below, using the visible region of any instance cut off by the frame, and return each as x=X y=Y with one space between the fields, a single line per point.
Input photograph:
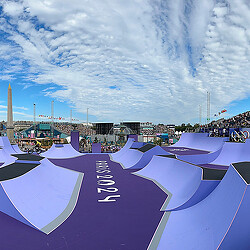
x=140 y=60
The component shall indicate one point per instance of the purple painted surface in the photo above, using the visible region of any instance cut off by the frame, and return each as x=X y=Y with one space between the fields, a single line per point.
x=184 y=151
x=231 y=152
x=67 y=151
x=138 y=144
x=188 y=138
x=135 y=137
x=17 y=149
x=200 y=141
x=96 y=148
x=6 y=158
x=122 y=151
x=42 y=194
x=200 y=158
x=5 y=143
x=204 y=225
x=181 y=179
x=238 y=235
x=130 y=158
x=128 y=223
x=205 y=188
x=147 y=156
x=74 y=141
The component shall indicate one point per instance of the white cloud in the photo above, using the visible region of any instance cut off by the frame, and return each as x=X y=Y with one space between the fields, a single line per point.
x=134 y=60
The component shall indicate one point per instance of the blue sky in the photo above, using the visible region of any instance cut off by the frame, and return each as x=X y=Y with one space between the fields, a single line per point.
x=139 y=60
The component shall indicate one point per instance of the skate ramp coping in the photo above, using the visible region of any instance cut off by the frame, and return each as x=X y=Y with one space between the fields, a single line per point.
x=61 y=151
x=42 y=198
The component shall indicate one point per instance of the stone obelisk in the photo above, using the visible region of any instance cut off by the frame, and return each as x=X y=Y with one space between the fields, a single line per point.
x=10 y=127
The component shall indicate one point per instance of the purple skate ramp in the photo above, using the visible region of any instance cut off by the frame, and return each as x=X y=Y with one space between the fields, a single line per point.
x=5 y=143
x=43 y=198
x=96 y=148
x=229 y=153
x=129 y=158
x=187 y=139
x=97 y=223
x=5 y=158
x=184 y=183
x=221 y=220
x=196 y=143
x=60 y=151
x=122 y=151
x=17 y=149
x=136 y=145
x=147 y=156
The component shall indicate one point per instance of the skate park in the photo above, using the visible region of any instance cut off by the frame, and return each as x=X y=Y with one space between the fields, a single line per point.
x=69 y=193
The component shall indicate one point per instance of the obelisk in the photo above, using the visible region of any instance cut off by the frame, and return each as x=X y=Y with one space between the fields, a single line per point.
x=10 y=127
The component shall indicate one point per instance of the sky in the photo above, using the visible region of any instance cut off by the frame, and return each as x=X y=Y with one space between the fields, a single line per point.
x=133 y=60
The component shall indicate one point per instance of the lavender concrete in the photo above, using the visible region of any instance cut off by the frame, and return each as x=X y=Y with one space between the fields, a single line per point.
x=200 y=158
x=6 y=158
x=187 y=139
x=184 y=151
x=135 y=137
x=208 y=224
x=122 y=151
x=147 y=156
x=42 y=196
x=183 y=182
x=130 y=158
x=200 y=141
x=61 y=152
x=74 y=141
x=138 y=144
x=128 y=223
x=96 y=148
x=5 y=143
x=17 y=149
x=231 y=152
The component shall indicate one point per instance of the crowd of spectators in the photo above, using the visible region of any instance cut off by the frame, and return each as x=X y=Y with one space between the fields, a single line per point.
x=238 y=121
x=66 y=128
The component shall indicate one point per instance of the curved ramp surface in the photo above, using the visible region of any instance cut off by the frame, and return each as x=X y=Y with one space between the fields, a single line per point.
x=5 y=143
x=43 y=197
x=196 y=142
x=187 y=139
x=17 y=149
x=115 y=156
x=231 y=152
x=61 y=151
x=147 y=156
x=129 y=158
x=184 y=183
x=221 y=220
x=6 y=158
x=138 y=145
